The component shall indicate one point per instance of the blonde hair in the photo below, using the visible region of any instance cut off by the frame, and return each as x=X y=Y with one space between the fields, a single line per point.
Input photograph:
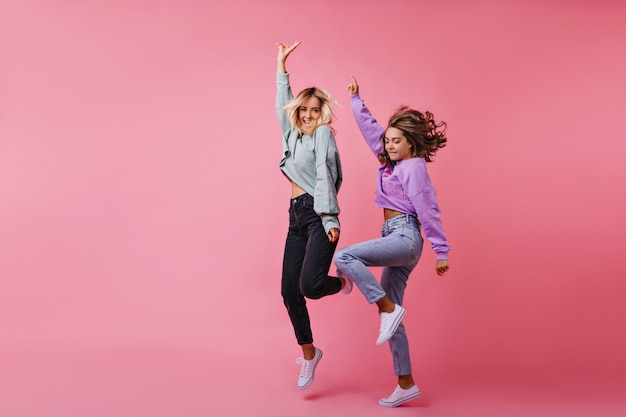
x=327 y=116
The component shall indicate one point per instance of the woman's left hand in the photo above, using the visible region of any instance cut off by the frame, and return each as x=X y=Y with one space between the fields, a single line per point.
x=333 y=235
x=442 y=266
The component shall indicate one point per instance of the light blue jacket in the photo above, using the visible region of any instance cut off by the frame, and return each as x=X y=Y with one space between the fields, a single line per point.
x=311 y=161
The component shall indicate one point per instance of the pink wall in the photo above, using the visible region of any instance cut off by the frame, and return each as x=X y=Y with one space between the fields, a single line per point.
x=141 y=199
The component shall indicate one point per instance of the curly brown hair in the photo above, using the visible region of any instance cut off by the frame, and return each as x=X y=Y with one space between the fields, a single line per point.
x=421 y=130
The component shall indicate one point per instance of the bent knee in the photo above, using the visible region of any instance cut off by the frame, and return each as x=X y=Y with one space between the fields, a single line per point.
x=342 y=257
x=313 y=292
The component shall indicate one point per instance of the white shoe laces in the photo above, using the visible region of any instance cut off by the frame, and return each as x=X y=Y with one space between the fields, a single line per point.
x=306 y=367
x=395 y=394
x=384 y=323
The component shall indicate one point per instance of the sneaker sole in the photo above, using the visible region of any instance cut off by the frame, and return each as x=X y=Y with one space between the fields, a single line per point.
x=396 y=323
x=399 y=402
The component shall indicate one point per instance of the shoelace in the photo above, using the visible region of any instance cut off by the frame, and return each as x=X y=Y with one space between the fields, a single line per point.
x=395 y=394
x=384 y=325
x=306 y=365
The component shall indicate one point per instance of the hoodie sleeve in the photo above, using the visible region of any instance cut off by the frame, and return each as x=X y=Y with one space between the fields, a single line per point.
x=370 y=129
x=283 y=96
x=328 y=178
x=423 y=197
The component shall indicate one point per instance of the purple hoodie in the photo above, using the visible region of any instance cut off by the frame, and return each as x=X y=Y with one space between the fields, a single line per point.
x=406 y=186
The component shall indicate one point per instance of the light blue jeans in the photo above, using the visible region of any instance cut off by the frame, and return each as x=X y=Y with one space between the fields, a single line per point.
x=397 y=251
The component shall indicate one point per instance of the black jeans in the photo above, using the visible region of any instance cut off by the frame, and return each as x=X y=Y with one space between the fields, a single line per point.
x=307 y=258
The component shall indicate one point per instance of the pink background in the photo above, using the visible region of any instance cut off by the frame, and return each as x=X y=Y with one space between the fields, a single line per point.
x=143 y=215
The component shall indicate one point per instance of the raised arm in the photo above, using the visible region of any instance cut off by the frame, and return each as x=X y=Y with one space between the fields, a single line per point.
x=369 y=127
x=283 y=89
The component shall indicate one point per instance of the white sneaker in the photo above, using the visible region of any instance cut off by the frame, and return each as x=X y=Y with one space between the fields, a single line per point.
x=347 y=288
x=308 y=369
x=400 y=396
x=389 y=323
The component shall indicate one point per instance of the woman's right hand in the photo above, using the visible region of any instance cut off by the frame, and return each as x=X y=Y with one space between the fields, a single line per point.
x=353 y=87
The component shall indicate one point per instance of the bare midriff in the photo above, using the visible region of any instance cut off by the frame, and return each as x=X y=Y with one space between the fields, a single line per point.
x=389 y=213
x=296 y=190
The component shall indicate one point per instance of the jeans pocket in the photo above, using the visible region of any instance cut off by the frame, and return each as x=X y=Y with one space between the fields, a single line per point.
x=307 y=202
x=407 y=234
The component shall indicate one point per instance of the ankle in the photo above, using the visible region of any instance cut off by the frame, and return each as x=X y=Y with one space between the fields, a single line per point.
x=406 y=381
x=308 y=351
x=385 y=305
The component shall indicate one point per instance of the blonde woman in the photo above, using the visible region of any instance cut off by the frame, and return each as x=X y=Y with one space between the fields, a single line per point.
x=310 y=161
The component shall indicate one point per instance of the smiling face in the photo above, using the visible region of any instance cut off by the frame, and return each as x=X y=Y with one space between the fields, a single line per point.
x=397 y=146
x=308 y=113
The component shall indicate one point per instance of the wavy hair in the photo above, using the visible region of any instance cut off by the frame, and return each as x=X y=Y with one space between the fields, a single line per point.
x=421 y=130
x=327 y=116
